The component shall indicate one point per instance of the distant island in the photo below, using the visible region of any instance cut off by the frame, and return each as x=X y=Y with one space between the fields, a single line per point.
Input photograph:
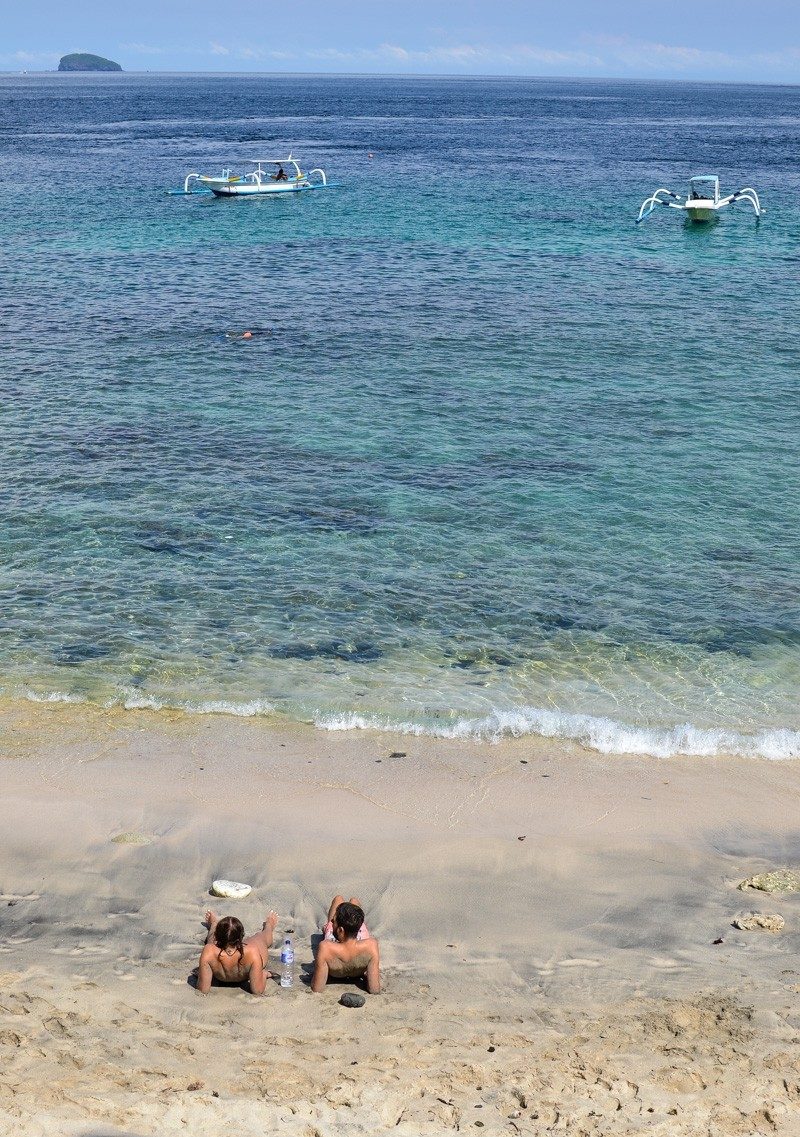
x=83 y=61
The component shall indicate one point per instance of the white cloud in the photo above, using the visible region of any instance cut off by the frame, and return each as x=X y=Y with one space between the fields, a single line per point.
x=590 y=55
x=645 y=55
x=24 y=59
x=143 y=49
x=467 y=57
x=779 y=60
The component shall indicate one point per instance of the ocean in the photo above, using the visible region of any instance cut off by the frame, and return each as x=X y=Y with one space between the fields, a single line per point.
x=495 y=460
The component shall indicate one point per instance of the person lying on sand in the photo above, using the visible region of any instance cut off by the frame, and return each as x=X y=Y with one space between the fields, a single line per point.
x=230 y=958
x=347 y=951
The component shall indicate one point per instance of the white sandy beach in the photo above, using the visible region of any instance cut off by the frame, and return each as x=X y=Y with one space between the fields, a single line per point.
x=568 y=982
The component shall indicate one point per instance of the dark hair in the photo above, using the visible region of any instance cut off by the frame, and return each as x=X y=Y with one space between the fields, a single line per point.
x=349 y=917
x=229 y=933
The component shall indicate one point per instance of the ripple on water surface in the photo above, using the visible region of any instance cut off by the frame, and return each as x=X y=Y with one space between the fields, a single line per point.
x=492 y=462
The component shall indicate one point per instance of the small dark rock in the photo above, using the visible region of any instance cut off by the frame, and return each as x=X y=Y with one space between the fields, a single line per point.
x=361 y=652
x=157 y=545
x=523 y=761
x=718 y=940
x=349 y=1000
x=398 y=754
x=72 y=654
x=491 y=1049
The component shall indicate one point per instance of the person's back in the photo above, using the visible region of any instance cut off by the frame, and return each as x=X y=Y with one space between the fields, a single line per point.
x=346 y=956
x=230 y=958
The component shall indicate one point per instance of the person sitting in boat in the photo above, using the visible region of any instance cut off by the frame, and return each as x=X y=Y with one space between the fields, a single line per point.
x=281 y=175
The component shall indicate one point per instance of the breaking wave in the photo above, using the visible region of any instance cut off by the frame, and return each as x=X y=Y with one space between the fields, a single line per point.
x=204 y=707
x=605 y=735
x=595 y=732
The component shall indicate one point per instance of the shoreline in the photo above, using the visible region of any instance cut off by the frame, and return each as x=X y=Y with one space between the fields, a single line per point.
x=584 y=731
x=585 y=949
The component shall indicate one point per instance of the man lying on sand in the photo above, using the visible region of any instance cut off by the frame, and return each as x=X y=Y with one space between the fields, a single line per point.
x=230 y=958
x=348 y=951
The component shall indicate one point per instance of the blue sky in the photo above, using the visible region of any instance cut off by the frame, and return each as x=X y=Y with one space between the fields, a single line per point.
x=706 y=39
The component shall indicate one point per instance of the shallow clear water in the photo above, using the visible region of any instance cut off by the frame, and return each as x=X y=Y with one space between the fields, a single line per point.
x=495 y=459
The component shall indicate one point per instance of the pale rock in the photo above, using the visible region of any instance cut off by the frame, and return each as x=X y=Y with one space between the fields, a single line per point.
x=780 y=880
x=753 y=921
x=230 y=889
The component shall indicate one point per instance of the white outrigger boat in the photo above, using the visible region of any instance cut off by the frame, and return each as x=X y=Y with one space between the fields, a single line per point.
x=260 y=180
x=702 y=203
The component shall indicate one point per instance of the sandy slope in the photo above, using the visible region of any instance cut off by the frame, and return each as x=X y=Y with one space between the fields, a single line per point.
x=583 y=955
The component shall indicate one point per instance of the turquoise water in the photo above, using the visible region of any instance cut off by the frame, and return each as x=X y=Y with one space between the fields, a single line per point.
x=494 y=461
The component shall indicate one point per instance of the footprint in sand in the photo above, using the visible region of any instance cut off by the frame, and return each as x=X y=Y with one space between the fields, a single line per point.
x=663 y=963
x=80 y=951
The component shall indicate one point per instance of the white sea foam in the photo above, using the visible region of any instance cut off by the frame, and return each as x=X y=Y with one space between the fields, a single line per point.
x=605 y=735
x=53 y=697
x=136 y=701
x=139 y=702
x=597 y=733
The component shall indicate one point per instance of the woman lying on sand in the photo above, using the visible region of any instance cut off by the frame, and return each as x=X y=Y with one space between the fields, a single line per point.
x=230 y=958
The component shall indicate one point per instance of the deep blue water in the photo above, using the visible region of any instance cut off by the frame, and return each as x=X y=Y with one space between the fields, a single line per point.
x=495 y=459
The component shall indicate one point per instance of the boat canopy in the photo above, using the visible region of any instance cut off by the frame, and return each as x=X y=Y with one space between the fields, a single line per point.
x=705 y=187
x=279 y=162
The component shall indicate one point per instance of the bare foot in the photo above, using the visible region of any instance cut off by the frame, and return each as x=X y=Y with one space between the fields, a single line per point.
x=271 y=920
x=211 y=920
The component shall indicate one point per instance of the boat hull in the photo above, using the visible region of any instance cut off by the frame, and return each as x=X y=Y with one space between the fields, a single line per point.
x=223 y=188
x=702 y=211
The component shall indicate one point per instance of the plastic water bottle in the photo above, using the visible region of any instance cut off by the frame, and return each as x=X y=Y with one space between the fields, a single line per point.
x=287 y=963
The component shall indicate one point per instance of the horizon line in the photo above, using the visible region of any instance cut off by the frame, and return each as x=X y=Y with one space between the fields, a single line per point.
x=412 y=75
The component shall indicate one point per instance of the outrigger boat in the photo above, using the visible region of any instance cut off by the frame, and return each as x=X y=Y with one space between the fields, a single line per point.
x=258 y=181
x=702 y=203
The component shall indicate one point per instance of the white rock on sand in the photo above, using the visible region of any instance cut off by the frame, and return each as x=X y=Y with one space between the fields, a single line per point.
x=231 y=889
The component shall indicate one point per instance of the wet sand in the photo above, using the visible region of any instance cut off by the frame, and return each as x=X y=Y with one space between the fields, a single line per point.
x=568 y=981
